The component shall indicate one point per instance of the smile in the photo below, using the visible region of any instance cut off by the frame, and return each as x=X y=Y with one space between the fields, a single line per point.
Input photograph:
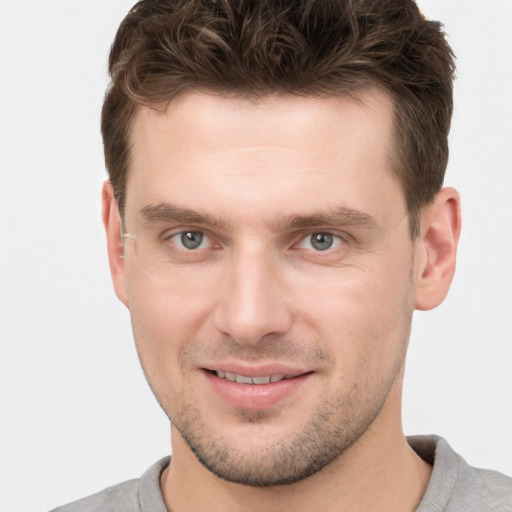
x=244 y=379
x=256 y=388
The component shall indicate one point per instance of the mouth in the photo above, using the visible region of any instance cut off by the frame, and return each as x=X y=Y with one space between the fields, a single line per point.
x=260 y=388
x=246 y=379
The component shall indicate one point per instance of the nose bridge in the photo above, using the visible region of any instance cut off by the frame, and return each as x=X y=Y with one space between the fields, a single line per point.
x=251 y=302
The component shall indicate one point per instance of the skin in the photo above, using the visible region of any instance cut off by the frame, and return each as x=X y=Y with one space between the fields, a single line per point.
x=258 y=178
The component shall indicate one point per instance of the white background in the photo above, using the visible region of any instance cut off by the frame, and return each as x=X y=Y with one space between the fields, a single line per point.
x=76 y=414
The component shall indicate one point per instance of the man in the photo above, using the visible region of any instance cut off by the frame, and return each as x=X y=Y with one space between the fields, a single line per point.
x=274 y=215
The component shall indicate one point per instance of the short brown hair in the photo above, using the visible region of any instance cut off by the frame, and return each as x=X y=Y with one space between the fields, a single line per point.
x=302 y=47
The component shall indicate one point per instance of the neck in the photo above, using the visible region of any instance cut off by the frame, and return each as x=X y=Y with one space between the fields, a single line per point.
x=379 y=472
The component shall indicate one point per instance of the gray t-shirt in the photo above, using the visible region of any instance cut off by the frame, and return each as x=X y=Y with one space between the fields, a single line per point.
x=454 y=486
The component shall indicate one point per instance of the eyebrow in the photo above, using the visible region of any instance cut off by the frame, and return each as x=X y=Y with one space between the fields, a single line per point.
x=166 y=212
x=334 y=216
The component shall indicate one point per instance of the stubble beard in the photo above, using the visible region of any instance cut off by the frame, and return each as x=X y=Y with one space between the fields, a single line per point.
x=323 y=439
x=326 y=435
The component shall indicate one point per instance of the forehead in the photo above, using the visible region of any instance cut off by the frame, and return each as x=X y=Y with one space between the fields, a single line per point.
x=277 y=151
x=230 y=121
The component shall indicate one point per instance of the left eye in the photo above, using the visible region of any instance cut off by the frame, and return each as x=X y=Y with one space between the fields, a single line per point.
x=320 y=241
x=190 y=240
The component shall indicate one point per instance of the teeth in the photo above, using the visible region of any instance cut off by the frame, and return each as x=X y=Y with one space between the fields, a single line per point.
x=242 y=379
x=261 y=380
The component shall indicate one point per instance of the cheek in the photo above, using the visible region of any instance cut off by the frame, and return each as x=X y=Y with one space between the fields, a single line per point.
x=364 y=313
x=165 y=317
x=168 y=311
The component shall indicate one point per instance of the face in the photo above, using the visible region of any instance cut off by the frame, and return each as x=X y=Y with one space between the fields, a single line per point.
x=271 y=278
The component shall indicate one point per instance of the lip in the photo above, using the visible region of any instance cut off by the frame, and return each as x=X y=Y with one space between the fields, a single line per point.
x=256 y=396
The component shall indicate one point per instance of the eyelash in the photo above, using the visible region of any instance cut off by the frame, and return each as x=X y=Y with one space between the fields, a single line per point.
x=185 y=232
x=335 y=240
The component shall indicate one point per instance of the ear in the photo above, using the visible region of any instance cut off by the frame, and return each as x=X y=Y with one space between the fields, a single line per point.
x=112 y=223
x=440 y=225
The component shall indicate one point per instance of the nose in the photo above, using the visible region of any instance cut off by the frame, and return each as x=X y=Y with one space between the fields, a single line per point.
x=251 y=302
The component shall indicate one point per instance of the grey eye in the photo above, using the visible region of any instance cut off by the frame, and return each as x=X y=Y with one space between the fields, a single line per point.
x=321 y=241
x=191 y=239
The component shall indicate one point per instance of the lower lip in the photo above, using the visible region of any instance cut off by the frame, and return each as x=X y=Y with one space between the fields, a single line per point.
x=255 y=396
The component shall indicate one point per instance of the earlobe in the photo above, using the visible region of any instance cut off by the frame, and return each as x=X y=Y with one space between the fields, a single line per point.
x=435 y=264
x=112 y=223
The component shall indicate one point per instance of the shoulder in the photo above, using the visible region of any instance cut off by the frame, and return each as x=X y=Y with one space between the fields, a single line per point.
x=121 y=497
x=482 y=489
x=455 y=486
x=138 y=495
